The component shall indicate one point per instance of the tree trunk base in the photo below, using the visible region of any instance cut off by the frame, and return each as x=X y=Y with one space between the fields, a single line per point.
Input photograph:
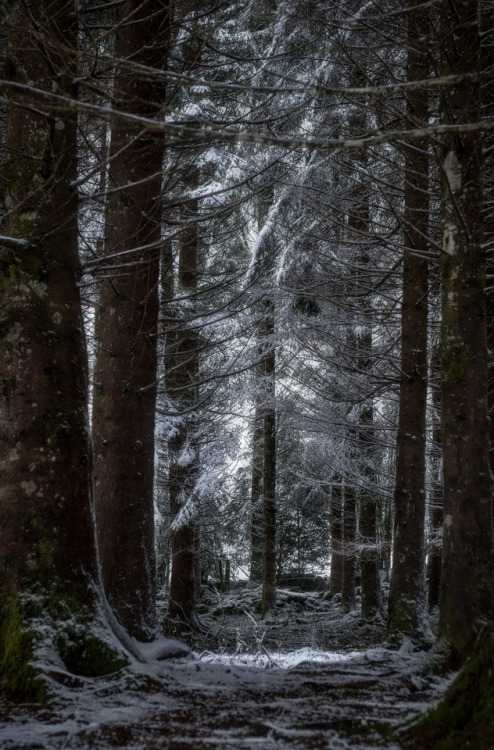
x=465 y=716
x=41 y=631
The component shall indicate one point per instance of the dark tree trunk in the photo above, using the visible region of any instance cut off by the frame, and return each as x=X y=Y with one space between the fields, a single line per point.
x=50 y=596
x=467 y=583
x=182 y=373
x=436 y=494
x=336 y=573
x=386 y=537
x=369 y=553
x=166 y=330
x=487 y=95
x=227 y=576
x=269 y=474
x=407 y=601
x=360 y=347
x=264 y=452
x=256 y=524
x=464 y=717
x=349 y=549
x=126 y=328
x=197 y=559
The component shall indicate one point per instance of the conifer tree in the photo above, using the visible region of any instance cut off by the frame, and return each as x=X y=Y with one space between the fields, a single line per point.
x=50 y=596
x=126 y=324
x=467 y=583
x=407 y=601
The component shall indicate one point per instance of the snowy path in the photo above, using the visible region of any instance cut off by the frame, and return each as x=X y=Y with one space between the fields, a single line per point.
x=341 y=702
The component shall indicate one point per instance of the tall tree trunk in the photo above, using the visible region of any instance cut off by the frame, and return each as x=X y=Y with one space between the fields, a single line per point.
x=256 y=522
x=467 y=583
x=336 y=574
x=182 y=373
x=360 y=347
x=166 y=330
x=407 y=603
x=50 y=596
x=487 y=63
x=126 y=328
x=436 y=495
x=385 y=538
x=369 y=557
x=369 y=553
x=269 y=474
x=349 y=548
x=266 y=404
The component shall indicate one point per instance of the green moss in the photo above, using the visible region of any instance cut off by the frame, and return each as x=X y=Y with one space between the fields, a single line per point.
x=46 y=553
x=20 y=680
x=465 y=716
x=404 y=622
x=37 y=624
x=87 y=655
x=82 y=651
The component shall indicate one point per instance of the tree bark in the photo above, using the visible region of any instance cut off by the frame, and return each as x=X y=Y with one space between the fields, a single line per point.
x=256 y=530
x=487 y=95
x=407 y=603
x=166 y=330
x=336 y=573
x=126 y=328
x=349 y=549
x=369 y=553
x=181 y=375
x=436 y=494
x=464 y=717
x=360 y=348
x=269 y=474
x=50 y=596
x=467 y=583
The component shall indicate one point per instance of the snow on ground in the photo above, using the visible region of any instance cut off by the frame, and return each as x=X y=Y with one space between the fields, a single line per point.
x=303 y=700
x=278 y=659
x=289 y=682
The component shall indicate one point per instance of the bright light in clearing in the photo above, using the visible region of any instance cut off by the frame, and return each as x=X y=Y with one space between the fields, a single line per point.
x=280 y=659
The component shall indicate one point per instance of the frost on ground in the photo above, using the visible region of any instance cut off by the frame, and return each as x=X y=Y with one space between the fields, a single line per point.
x=260 y=690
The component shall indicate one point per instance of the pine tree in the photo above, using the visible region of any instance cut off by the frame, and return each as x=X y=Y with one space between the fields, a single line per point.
x=467 y=583
x=407 y=603
x=182 y=379
x=126 y=325
x=50 y=596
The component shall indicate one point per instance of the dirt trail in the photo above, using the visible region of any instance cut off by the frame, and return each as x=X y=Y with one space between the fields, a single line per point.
x=350 y=703
x=238 y=692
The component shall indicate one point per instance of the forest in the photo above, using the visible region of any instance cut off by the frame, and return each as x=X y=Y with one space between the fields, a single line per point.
x=246 y=369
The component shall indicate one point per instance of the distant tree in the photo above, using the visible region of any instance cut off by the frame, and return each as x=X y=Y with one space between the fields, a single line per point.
x=336 y=572
x=51 y=599
x=266 y=333
x=436 y=489
x=359 y=225
x=303 y=512
x=256 y=489
x=349 y=548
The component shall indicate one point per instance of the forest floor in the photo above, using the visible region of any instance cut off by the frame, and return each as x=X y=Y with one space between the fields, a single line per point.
x=304 y=677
